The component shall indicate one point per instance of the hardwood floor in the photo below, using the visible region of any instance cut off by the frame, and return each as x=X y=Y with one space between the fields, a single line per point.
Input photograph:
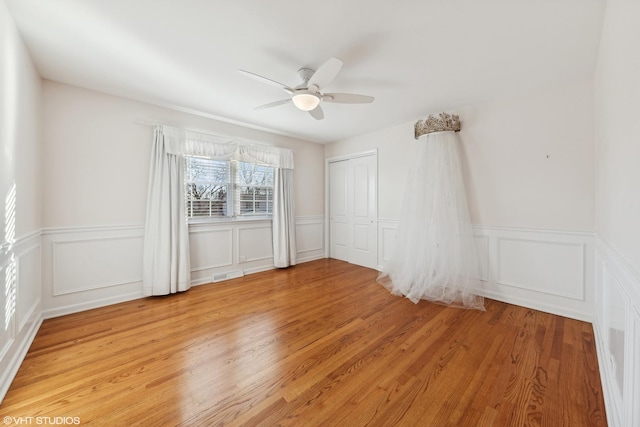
x=319 y=344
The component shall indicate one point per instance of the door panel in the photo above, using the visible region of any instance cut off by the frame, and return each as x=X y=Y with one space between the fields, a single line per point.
x=338 y=218
x=353 y=210
x=363 y=220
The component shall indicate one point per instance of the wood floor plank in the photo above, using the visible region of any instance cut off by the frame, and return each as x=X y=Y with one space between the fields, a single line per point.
x=318 y=344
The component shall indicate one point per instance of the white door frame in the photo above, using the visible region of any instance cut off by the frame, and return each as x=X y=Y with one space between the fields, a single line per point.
x=328 y=160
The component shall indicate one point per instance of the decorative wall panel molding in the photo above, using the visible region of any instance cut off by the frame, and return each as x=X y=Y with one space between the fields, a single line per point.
x=387 y=233
x=255 y=243
x=617 y=330
x=482 y=247
x=29 y=278
x=210 y=247
x=309 y=234
x=88 y=267
x=92 y=263
x=519 y=262
x=547 y=270
x=20 y=281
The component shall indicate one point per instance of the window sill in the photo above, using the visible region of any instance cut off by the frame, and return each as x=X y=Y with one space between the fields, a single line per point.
x=228 y=220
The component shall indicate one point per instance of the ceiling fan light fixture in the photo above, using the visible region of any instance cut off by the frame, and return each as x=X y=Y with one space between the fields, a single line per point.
x=305 y=100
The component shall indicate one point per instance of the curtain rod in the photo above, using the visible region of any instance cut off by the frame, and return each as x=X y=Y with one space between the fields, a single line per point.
x=153 y=123
x=146 y=122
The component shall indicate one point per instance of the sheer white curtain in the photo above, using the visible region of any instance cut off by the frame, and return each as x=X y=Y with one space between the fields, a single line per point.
x=166 y=263
x=284 y=230
x=281 y=159
x=435 y=257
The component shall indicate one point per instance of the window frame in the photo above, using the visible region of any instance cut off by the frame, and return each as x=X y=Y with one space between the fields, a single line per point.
x=233 y=196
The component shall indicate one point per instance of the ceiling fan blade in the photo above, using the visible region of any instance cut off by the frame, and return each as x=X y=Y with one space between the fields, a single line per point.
x=273 y=104
x=317 y=113
x=347 y=98
x=326 y=73
x=266 y=80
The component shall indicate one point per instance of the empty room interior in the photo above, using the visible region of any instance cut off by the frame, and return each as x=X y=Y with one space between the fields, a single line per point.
x=301 y=213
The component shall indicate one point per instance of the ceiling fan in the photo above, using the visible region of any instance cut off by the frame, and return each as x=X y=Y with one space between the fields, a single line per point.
x=308 y=95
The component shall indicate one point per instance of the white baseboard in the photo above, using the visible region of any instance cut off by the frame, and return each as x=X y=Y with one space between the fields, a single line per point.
x=538 y=305
x=607 y=391
x=89 y=305
x=308 y=258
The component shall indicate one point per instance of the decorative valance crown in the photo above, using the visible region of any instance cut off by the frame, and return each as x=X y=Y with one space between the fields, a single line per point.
x=445 y=122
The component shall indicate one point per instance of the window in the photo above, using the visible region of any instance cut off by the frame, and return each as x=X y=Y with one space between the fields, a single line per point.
x=221 y=188
x=254 y=189
x=208 y=185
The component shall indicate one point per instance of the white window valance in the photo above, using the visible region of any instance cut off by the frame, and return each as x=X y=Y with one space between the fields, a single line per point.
x=190 y=143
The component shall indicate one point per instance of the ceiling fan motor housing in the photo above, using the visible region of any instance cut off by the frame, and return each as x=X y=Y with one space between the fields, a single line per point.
x=305 y=74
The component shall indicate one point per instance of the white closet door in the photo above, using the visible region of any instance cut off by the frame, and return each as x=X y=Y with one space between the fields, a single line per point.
x=338 y=216
x=363 y=234
x=353 y=210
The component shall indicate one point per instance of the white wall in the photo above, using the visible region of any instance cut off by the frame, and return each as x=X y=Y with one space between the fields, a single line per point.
x=531 y=159
x=95 y=190
x=98 y=157
x=617 y=320
x=533 y=214
x=510 y=181
x=20 y=199
x=618 y=131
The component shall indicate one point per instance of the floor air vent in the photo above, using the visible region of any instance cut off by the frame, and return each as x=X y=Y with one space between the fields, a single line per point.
x=226 y=276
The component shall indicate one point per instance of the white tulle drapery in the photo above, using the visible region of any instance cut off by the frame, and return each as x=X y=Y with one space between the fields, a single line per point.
x=435 y=256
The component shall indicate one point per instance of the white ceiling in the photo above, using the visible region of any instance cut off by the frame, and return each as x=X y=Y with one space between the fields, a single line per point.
x=413 y=56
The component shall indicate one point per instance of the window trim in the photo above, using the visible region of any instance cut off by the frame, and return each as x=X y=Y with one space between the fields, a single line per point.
x=231 y=199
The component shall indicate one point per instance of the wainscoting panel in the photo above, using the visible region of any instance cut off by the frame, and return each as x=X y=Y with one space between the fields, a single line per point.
x=88 y=267
x=29 y=281
x=210 y=247
x=255 y=243
x=8 y=290
x=387 y=233
x=20 y=281
x=93 y=263
x=617 y=330
x=310 y=238
x=546 y=270
x=520 y=262
x=482 y=248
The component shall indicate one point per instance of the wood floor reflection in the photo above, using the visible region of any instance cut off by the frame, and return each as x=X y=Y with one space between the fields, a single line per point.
x=318 y=344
